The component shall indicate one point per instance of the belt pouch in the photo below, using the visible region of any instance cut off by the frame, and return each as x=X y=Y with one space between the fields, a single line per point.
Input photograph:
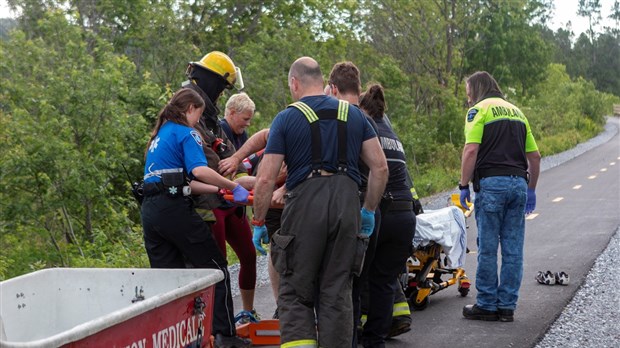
x=173 y=183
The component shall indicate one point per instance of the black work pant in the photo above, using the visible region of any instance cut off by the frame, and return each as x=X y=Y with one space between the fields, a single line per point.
x=314 y=252
x=360 y=284
x=394 y=246
x=174 y=234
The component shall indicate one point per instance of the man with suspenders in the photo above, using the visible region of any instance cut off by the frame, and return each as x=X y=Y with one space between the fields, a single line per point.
x=321 y=140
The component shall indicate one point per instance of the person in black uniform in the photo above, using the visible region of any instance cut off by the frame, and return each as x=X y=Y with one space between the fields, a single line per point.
x=344 y=83
x=397 y=226
x=174 y=233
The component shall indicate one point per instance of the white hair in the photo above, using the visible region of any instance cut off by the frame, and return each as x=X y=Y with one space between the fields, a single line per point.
x=240 y=102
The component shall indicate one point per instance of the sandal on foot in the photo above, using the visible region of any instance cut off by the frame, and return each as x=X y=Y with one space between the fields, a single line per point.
x=245 y=317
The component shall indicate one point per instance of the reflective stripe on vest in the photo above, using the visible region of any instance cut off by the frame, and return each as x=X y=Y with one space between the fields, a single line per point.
x=401 y=308
x=300 y=344
x=343 y=111
x=159 y=172
x=306 y=110
x=340 y=115
x=414 y=193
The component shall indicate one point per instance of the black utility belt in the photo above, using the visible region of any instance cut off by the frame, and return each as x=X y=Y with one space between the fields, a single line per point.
x=157 y=188
x=488 y=172
x=400 y=206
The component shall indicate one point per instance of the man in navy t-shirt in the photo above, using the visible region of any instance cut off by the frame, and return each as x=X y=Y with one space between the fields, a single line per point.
x=321 y=139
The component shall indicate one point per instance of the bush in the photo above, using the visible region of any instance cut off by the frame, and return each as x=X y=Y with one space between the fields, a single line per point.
x=441 y=172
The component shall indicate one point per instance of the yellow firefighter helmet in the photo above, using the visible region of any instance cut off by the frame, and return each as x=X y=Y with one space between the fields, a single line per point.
x=221 y=64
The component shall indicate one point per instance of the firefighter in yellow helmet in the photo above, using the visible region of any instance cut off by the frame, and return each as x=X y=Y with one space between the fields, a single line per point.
x=210 y=76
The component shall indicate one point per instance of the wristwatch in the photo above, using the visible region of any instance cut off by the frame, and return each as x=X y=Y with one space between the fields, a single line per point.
x=258 y=222
x=462 y=187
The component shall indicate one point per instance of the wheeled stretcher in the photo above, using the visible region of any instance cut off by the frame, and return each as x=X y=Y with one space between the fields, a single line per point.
x=440 y=245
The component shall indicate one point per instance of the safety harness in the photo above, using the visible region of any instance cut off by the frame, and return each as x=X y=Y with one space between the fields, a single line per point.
x=341 y=115
x=317 y=164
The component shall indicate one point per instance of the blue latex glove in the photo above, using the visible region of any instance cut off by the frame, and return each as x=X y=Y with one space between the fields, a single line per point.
x=465 y=197
x=259 y=238
x=240 y=194
x=368 y=222
x=530 y=205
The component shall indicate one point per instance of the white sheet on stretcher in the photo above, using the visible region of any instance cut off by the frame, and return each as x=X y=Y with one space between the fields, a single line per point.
x=447 y=228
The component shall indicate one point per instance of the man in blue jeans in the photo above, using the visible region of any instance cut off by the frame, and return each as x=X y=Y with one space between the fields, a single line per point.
x=501 y=158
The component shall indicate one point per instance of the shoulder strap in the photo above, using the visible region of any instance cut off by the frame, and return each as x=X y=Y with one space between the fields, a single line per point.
x=341 y=115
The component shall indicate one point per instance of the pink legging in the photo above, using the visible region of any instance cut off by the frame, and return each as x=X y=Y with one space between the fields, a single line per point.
x=232 y=227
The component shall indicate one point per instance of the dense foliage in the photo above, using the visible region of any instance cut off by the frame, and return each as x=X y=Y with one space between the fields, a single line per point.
x=82 y=82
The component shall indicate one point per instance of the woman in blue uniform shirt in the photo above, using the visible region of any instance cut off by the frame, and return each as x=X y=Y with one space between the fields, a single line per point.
x=173 y=232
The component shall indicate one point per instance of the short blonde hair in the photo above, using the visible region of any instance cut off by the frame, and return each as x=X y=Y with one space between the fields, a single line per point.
x=239 y=102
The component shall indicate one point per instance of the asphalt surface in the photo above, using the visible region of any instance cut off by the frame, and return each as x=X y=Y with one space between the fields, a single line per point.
x=577 y=213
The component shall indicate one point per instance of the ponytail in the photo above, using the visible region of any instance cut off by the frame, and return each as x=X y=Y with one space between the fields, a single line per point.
x=373 y=101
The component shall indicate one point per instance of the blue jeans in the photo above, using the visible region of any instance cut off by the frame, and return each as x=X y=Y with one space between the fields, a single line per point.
x=500 y=218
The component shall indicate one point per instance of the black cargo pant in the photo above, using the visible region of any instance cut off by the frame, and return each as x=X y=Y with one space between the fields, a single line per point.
x=314 y=253
x=173 y=234
x=394 y=246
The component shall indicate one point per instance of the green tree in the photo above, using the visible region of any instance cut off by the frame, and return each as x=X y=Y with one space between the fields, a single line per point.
x=615 y=16
x=591 y=9
x=70 y=121
x=562 y=41
x=423 y=36
x=606 y=73
x=509 y=44
x=6 y=25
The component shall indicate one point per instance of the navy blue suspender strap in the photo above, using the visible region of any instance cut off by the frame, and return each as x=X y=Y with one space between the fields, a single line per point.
x=341 y=115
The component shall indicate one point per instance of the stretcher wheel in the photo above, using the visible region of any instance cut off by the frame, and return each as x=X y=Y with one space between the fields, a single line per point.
x=422 y=305
x=418 y=306
x=464 y=285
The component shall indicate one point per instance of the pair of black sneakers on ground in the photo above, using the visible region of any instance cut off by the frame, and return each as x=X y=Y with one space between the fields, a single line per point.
x=474 y=312
x=550 y=278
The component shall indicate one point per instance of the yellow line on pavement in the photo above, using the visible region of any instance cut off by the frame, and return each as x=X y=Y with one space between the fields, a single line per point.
x=592 y=177
x=603 y=169
x=576 y=187
x=557 y=199
x=531 y=216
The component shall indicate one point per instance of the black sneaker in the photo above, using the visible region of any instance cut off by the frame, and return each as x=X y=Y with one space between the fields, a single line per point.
x=561 y=278
x=400 y=325
x=222 y=341
x=474 y=312
x=505 y=315
x=276 y=315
